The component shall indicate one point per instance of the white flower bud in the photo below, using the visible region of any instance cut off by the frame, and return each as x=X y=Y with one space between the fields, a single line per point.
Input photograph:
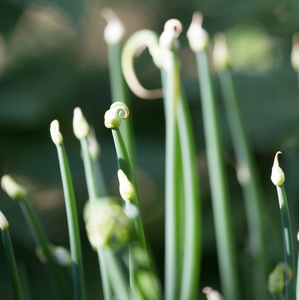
x=55 y=133
x=295 y=52
x=126 y=188
x=80 y=125
x=3 y=221
x=220 y=53
x=212 y=294
x=114 y=31
x=277 y=175
x=197 y=36
x=13 y=189
x=112 y=119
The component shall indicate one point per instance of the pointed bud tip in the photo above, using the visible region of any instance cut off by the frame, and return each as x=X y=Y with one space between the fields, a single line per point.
x=80 y=125
x=126 y=188
x=277 y=175
x=114 y=31
x=220 y=52
x=13 y=189
x=55 y=133
x=3 y=221
x=197 y=36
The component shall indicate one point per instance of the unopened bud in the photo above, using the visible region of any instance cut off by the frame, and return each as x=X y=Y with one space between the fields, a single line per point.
x=220 y=53
x=126 y=188
x=3 y=222
x=277 y=175
x=94 y=147
x=55 y=133
x=212 y=294
x=295 y=52
x=80 y=125
x=13 y=189
x=112 y=119
x=197 y=36
x=114 y=31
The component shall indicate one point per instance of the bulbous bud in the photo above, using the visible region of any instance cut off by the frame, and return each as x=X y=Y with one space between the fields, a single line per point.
x=295 y=52
x=112 y=119
x=55 y=133
x=13 y=189
x=107 y=224
x=212 y=294
x=114 y=31
x=80 y=125
x=60 y=254
x=277 y=175
x=197 y=36
x=126 y=188
x=3 y=222
x=220 y=53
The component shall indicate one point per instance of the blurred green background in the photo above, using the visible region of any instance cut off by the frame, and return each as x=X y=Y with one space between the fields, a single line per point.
x=53 y=58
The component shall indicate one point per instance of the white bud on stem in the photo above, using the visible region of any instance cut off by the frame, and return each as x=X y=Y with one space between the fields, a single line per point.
x=126 y=188
x=197 y=36
x=13 y=189
x=80 y=125
x=277 y=175
x=55 y=133
x=3 y=222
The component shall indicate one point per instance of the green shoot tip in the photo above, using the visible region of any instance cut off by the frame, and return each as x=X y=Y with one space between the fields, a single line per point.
x=3 y=221
x=277 y=175
x=13 y=189
x=80 y=125
x=55 y=133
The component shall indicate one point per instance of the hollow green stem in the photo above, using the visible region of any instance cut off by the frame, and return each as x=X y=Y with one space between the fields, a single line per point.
x=125 y=165
x=248 y=179
x=41 y=239
x=218 y=180
x=192 y=242
x=73 y=226
x=116 y=276
x=12 y=266
x=93 y=196
x=119 y=93
x=287 y=240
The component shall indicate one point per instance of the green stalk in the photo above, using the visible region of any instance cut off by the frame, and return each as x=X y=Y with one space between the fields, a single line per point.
x=125 y=165
x=119 y=91
x=218 y=180
x=93 y=196
x=278 y=296
x=248 y=179
x=287 y=240
x=297 y=282
x=172 y=286
x=278 y=178
x=192 y=242
x=117 y=279
x=41 y=239
x=10 y=258
x=73 y=226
